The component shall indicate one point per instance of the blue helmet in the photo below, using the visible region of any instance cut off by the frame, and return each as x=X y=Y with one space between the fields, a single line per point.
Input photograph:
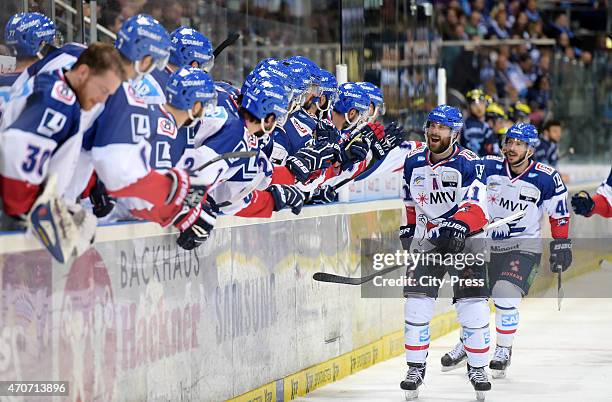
x=311 y=66
x=300 y=75
x=376 y=98
x=352 y=96
x=189 y=85
x=267 y=96
x=26 y=33
x=189 y=45
x=524 y=132
x=271 y=68
x=329 y=88
x=140 y=36
x=448 y=116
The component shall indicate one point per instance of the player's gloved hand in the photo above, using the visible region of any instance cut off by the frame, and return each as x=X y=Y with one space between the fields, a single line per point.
x=326 y=131
x=449 y=236
x=323 y=195
x=394 y=135
x=378 y=130
x=195 y=219
x=560 y=255
x=102 y=203
x=406 y=233
x=582 y=203
x=358 y=147
x=308 y=159
x=287 y=196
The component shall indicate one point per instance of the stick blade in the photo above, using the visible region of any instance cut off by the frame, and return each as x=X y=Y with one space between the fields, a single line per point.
x=331 y=278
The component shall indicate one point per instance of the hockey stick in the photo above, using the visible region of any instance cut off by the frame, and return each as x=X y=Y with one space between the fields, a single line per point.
x=230 y=40
x=327 y=277
x=225 y=156
x=560 y=292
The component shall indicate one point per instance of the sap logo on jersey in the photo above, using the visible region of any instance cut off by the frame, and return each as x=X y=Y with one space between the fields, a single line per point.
x=302 y=129
x=511 y=205
x=442 y=197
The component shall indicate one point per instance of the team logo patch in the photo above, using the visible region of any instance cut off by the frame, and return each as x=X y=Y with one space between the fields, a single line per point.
x=418 y=181
x=166 y=127
x=132 y=97
x=422 y=198
x=162 y=156
x=302 y=129
x=493 y=186
x=494 y=158
x=62 y=92
x=529 y=194
x=450 y=179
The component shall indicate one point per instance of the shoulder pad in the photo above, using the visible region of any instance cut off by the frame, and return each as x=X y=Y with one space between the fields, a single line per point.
x=494 y=158
x=469 y=155
x=415 y=151
x=302 y=128
x=132 y=97
x=62 y=92
x=544 y=168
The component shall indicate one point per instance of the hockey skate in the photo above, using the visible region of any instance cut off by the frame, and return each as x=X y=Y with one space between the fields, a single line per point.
x=480 y=381
x=414 y=379
x=455 y=358
x=500 y=362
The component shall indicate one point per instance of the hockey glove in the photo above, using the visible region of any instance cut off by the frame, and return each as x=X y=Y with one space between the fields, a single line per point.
x=357 y=149
x=582 y=203
x=308 y=159
x=326 y=132
x=560 y=255
x=449 y=236
x=323 y=195
x=406 y=233
x=394 y=135
x=195 y=219
x=287 y=196
x=102 y=203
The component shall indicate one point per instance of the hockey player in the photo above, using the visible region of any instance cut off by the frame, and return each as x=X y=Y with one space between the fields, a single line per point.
x=445 y=201
x=497 y=119
x=477 y=135
x=516 y=182
x=25 y=35
x=42 y=128
x=520 y=112
x=329 y=94
x=600 y=204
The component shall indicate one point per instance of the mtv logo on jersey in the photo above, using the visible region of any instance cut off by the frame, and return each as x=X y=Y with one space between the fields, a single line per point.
x=442 y=197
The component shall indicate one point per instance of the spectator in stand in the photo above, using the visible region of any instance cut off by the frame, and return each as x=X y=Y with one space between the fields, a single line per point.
x=519 y=29
x=531 y=10
x=498 y=25
x=522 y=74
x=535 y=29
x=476 y=134
x=561 y=25
x=547 y=150
x=502 y=79
x=476 y=26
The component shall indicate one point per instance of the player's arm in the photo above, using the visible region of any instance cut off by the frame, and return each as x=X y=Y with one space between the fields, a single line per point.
x=473 y=207
x=599 y=204
x=408 y=226
x=30 y=141
x=555 y=204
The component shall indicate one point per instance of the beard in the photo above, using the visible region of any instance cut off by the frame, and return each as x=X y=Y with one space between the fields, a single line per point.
x=440 y=145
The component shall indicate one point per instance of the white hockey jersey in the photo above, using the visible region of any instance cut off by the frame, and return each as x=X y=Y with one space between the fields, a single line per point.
x=451 y=188
x=537 y=190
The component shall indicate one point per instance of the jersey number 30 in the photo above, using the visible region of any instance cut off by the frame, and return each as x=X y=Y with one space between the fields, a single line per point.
x=33 y=159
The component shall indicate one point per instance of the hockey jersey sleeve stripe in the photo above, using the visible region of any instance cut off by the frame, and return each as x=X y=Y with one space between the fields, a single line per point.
x=18 y=196
x=473 y=215
x=261 y=206
x=559 y=228
x=410 y=215
x=602 y=206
